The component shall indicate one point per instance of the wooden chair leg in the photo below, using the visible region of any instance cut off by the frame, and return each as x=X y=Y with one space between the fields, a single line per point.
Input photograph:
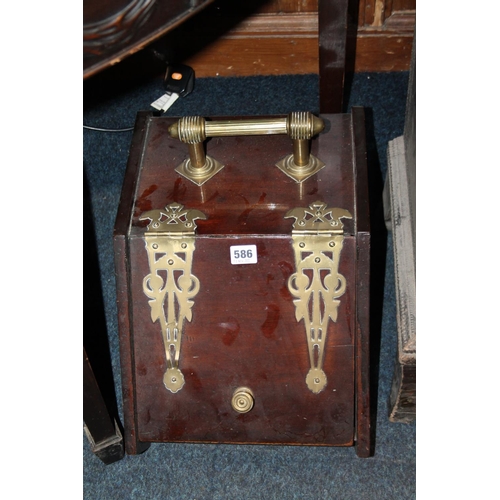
x=102 y=430
x=337 y=23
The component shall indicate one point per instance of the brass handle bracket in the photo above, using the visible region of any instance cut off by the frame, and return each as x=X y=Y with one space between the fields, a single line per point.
x=199 y=167
x=300 y=126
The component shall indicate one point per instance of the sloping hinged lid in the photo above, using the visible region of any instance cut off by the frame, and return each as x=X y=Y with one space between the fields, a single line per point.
x=250 y=195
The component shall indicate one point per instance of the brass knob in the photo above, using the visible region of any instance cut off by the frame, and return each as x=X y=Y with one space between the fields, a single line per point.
x=243 y=400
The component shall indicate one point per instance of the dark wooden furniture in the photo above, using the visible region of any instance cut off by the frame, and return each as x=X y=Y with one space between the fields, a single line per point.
x=115 y=29
x=247 y=337
x=100 y=413
x=245 y=329
x=101 y=428
x=282 y=37
x=261 y=37
x=400 y=209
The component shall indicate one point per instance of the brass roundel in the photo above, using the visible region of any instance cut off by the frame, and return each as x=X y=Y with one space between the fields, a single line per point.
x=242 y=400
x=316 y=380
x=173 y=380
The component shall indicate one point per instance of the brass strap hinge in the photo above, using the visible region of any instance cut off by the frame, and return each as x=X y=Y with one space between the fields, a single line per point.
x=317 y=285
x=170 y=285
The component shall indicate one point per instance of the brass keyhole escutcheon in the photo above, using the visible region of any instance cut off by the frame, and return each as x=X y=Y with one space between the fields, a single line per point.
x=242 y=400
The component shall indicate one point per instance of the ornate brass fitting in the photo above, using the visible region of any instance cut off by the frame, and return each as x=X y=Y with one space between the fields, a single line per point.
x=317 y=239
x=170 y=243
x=199 y=168
x=300 y=126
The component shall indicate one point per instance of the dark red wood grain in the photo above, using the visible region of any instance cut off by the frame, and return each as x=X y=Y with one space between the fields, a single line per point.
x=250 y=195
x=123 y=295
x=364 y=441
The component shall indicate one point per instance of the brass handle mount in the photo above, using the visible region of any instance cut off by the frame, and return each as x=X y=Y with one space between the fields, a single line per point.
x=300 y=126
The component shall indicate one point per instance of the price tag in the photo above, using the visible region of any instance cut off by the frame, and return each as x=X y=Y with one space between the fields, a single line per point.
x=243 y=254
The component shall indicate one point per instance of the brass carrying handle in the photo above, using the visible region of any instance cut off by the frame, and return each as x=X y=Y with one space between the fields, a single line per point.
x=300 y=126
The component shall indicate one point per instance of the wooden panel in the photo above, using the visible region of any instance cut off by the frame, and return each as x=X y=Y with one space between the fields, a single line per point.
x=364 y=440
x=243 y=157
x=399 y=195
x=404 y=263
x=383 y=53
x=410 y=139
x=243 y=333
x=289 y=6
x=123 y=297
x=264 y=42
x=398 y=5
x=376 y=13
x=263 y=55
x=259 y=46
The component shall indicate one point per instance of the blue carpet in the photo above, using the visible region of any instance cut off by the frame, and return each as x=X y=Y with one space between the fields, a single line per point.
x=192 y=471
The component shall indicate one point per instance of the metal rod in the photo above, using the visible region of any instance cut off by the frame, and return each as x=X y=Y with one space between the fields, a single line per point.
x=300 y=125
x=197 y=155
x=262 y=126
x=301 y=152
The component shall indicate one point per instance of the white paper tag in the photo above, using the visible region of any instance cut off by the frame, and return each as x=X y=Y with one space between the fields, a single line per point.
x=243 y=254
x=165 y=102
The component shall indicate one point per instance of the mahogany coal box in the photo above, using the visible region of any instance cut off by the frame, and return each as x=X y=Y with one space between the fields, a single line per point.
x=242 y=270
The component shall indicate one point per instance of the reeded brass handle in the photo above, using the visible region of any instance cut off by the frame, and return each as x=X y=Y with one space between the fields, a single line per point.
x=300 y=126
